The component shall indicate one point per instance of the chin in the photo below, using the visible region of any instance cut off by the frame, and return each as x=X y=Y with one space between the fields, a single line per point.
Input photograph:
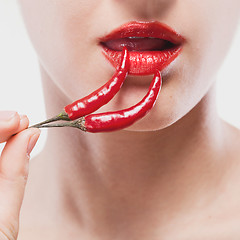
x=154 y=121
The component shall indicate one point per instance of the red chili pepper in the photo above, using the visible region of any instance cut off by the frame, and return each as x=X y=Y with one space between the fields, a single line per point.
x=101 y=96
x=111 y=121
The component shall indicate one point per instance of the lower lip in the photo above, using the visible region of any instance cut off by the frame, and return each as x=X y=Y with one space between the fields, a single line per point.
x=145 y=62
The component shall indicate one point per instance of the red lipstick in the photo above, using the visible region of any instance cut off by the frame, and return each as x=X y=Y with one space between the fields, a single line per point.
x=152 y=46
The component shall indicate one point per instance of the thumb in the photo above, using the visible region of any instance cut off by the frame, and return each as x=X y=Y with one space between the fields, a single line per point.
x=14 y=162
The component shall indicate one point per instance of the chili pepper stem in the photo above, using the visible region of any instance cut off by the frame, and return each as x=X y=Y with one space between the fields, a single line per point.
x=79 y=123
x=61 y=116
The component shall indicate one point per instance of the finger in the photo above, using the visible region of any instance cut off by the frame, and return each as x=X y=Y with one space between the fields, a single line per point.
x=11 y=123
x=14 y=171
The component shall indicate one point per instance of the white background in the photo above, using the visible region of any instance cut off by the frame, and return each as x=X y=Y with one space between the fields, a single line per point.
x=20 y=85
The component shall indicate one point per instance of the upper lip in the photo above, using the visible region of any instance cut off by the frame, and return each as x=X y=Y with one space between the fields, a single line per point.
x=153 y=29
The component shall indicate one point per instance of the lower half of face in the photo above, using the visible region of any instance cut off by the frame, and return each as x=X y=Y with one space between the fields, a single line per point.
x=68 y=36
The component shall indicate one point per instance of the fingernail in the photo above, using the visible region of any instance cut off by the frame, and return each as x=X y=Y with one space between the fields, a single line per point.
x=32 y=142
x=7 y=115
x=23 y=122
x=22 y=116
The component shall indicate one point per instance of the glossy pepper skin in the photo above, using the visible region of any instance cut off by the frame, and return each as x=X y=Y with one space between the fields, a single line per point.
x=111 y=121
x=101 y=96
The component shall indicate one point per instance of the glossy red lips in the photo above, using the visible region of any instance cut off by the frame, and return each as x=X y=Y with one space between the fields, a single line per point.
x=152 y=46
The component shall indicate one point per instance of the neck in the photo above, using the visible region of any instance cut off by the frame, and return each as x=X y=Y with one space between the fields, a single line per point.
x=128 y=180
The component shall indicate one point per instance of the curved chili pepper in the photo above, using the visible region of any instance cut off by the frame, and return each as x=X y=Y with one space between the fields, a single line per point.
x=101 y=96
x=111 y=121
x=98 y=98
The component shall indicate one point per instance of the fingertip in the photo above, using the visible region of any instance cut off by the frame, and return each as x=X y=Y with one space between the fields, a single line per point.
x=24 y=122
x=33 y=140
x=33 y=131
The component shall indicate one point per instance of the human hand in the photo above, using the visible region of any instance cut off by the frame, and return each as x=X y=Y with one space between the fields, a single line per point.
x=13 y=169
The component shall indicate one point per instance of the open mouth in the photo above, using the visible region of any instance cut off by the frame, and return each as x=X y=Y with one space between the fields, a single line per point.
x=152 y=46
x=138 y=44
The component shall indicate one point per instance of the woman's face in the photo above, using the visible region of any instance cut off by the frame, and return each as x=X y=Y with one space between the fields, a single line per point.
x=65 y=34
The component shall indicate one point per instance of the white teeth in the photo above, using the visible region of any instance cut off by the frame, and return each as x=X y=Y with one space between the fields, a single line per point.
x=135 y=37
x=140 y=37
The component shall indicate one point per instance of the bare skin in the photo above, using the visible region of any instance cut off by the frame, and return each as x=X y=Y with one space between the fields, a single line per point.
x=180 y=185
x=173 y=175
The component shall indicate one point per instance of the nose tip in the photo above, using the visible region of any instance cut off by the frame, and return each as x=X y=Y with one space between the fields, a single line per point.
x=147 y=9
